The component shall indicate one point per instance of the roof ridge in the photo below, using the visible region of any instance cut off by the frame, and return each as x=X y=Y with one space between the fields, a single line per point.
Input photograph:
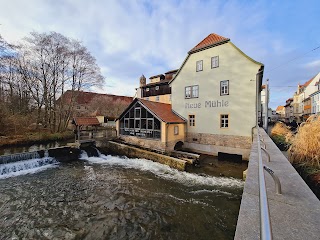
x=211 y=40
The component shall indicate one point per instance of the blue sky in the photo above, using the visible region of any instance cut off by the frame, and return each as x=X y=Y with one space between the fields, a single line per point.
x=130 y=38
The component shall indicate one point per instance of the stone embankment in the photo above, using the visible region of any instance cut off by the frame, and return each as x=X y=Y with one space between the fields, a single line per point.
x=134 y=152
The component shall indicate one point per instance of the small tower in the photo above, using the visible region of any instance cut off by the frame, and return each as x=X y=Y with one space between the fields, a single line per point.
x=142 y=81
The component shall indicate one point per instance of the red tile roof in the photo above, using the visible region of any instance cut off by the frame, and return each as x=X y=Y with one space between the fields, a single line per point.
x=211 y=40
x=87 y=97
x=163 y=111
x=280 y=108
x=86 y=121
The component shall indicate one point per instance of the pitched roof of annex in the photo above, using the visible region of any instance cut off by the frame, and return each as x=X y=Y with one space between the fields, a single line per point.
x=162 y=111
x=86 y=121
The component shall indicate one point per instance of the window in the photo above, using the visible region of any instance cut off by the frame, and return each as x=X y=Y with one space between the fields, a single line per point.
x=188 y=92
x=147 y=98
x=170 y=97
x=192 y=91
x=157 y=87
x=176 y=130
x=224 y=120
x=195 y=92
x=147 y=89
x=224 y=87
x=192 y=120
x=199 y=66
x=215 y=62
x=157 y=98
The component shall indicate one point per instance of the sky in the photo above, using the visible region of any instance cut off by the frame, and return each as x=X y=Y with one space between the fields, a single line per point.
x=134 y=37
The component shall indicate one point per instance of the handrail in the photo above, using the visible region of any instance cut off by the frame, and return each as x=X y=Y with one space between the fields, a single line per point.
x=265 y=224
x=275 y=179
x=266 y=152
x=265 y=145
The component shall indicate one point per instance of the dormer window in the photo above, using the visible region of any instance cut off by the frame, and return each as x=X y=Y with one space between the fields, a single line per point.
x=147 y=89
x=157 y=87
x=199 y=66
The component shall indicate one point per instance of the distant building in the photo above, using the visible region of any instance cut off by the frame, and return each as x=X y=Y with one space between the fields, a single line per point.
x=265 y=115
x=89 y=104
x=288 y=110
x=315 y=100
x=282 y=112
x=158 y=89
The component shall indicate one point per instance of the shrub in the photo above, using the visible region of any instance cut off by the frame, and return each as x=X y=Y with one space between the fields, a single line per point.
x=281 y=135
x=305 y=148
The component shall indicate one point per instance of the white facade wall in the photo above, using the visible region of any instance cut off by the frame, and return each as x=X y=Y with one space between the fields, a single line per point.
x=240 y=104
x=315 y=102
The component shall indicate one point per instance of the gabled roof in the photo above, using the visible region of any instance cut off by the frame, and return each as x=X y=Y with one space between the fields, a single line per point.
x=82 y=97
x=172 y=71
x=86 y=121
x=162 y=111
x=211 y=40
x=280 y=108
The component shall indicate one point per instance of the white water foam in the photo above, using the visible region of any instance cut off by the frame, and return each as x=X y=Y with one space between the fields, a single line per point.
x=164 y=171
x=26 y=167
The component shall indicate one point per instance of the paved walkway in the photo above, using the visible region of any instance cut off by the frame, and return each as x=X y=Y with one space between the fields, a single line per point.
x=295 y=214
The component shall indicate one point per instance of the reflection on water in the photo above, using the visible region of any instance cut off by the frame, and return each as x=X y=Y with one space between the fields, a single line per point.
x=110 y=197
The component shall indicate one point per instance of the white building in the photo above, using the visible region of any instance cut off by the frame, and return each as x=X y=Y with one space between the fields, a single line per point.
x=215 y=91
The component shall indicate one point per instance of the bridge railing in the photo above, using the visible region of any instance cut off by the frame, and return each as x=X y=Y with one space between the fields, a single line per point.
x=265 y=223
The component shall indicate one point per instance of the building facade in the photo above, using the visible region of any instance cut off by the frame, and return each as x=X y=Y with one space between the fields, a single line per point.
x=215 y=94
x=158 y=88
x=215 y=89
x=152 y=125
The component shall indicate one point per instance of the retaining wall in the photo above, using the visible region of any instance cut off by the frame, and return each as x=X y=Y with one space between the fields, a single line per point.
x=129 y=151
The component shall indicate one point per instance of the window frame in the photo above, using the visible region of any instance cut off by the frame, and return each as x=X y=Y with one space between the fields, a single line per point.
x=224 y=121
x=176 y=130
x=221 y=88
x=197 y=69
x=191 y=92
x=192 y=120
x=217 y=61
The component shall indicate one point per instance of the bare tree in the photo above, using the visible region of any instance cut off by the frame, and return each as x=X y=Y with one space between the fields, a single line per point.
x=50 y=63
x=108 y=106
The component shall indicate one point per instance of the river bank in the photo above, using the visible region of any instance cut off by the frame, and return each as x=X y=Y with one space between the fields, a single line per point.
x=34 y=138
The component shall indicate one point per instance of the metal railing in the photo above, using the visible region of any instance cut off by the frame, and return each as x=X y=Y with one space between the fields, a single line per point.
x=265 y=223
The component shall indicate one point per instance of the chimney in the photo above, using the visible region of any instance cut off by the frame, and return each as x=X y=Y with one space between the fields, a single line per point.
x=142 y=81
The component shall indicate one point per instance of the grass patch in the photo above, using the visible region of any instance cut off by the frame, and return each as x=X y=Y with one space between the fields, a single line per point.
x=35 y=137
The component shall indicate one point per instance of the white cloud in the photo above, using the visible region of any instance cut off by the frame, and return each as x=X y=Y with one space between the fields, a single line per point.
x=313 y=64
x=130 y=38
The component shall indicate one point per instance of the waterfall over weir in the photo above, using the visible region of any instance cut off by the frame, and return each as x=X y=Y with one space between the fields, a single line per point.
x=18 y=157
x=24 y=163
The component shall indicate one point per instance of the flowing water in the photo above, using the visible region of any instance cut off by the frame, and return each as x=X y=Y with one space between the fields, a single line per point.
x=110 y=197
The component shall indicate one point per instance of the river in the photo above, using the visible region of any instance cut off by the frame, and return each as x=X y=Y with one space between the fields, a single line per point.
x=111 y=197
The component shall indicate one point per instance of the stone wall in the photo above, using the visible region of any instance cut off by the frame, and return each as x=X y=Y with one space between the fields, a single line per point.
x=143 y=142
x=133 y=152
x=214 y=143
